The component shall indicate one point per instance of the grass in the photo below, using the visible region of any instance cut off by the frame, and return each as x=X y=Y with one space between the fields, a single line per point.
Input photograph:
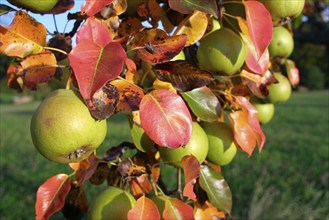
x=288 y=180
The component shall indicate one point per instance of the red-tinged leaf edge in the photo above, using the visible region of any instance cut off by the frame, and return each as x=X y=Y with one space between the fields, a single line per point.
x=177 y=209
x=51 y=196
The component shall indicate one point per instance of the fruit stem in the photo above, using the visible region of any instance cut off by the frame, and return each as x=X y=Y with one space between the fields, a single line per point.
x=179 y=183
x=56 y=49
x=68 y=82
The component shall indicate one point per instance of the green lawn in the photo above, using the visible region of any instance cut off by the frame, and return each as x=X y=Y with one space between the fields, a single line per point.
x=288 y=180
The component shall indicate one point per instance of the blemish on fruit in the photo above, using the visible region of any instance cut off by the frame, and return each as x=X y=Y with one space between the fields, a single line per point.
x=77 y=153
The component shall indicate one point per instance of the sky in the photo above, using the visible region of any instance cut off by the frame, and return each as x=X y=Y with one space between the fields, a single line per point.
x=46 y=20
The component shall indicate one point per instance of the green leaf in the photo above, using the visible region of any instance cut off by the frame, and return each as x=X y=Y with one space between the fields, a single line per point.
x=4 y=9
x=203 y=103
x=188 y=6
x=217 y=190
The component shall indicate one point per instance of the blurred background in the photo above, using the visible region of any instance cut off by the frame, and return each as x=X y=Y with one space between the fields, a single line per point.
x=289 y=179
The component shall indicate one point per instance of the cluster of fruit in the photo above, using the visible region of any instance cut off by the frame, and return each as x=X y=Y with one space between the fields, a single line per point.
x=64 y=130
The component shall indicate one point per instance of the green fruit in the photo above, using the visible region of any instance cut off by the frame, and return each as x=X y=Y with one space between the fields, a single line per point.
x=265 y=110
x=222 y=148
x=281 y=91
x=283 y=10
x=197 y=146
x=282 y=43
x=63 y=129
x=113 y=203
x=37 y=6
x=215 y=26
x=221 y=51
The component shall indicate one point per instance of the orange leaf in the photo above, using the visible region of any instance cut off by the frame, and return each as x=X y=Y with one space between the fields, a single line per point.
x=145 y=208
x=92 y=7
x=51 y=196
x=85 y=169
x=141 y=185
x=130 y=95
x=24 y=36
x=247 y=130
x=177 y=209
x=38 y=68
x=207 y=211
x=191 y=167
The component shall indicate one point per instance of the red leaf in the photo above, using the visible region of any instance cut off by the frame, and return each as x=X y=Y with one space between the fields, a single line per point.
x=259 y=24
x=51 y=196
x=177 y=209
x=96 y=59
x=92 y=7
x=95 y=31
x=165 y=118
x=247 y=130
x=191 y=167
x=145 y=208
x=259 y=30
x=259 y=66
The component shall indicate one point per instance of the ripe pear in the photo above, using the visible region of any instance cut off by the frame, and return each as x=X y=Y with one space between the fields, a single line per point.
x=37 y=6
x=63 y=129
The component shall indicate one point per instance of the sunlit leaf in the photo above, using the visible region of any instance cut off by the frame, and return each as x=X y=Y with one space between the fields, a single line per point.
x=218 y=191
x=207 y=211
x=38 y=68
x=130 y=95
x=292 y=72
x=104 y=102
x=191 y=167
x=260 y=25
x=257 y=83
x=246 y=127
x=258 y=28
x=96 y=59
x=92 y=7
x=145 y=208
x=24 y=36
x=155 y=46
x=51 y=196
x=95 y=31
x=177 y=209
x=194 y=27
x=203 y=103
x=165 y=118
x=188 y=6
x=183 y=75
